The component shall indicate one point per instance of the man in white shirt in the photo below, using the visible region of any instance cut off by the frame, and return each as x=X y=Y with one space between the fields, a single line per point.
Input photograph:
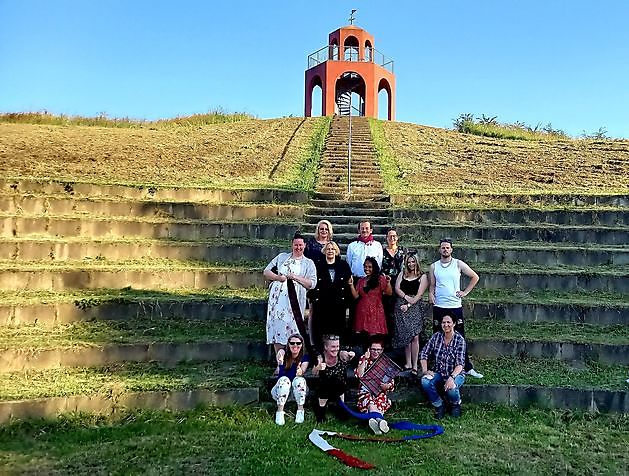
x=362 y=247
x=445 y=293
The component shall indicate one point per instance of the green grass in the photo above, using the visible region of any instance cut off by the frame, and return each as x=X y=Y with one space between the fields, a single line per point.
x=486 y=440
x=578 y=298
x=152 y=264
x=217 y=116
x=575 y=333
x=307 y=172
x=131 y=377
x=140 y=330
x=506 y=131
x=85 y=298
x=549 y=373
x=393 y=176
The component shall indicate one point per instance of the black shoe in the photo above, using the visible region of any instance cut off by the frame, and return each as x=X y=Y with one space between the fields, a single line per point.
x=455 y=411
x=319 y=413
x=440 y=412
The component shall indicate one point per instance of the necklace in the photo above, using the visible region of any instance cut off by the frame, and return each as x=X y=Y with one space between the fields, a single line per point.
x=449 y=263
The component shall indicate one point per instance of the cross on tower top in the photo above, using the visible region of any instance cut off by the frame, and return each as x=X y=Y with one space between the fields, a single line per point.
x=351 y=17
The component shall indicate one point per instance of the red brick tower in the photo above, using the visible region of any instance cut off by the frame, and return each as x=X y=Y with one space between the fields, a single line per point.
x=350 y=64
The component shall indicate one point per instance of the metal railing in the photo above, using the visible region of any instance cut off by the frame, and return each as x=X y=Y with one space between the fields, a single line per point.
x=349 y=53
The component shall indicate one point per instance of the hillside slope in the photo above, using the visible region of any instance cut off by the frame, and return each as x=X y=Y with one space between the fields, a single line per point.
x=420 y=159
x=240 y=154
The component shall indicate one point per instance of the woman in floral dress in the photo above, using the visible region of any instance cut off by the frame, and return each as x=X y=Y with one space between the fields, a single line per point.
x=284 y=268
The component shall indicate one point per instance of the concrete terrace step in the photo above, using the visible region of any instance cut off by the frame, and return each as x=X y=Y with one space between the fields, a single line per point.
x=52 y=407
x=572 y=199
x=353 y=217
x=54 y=309
x=75 y=189
x=463 y=231
x=26 y=226
x=323 y=205
x=210 y=251
x=523 y=216
x=167 y=353
x=76 y=275
x=146 y=208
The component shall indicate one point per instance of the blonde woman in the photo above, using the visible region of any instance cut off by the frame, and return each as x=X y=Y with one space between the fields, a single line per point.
x=323 y=235
x=410 y=286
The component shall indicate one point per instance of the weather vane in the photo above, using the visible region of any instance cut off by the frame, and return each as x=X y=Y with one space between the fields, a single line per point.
x=351 y=17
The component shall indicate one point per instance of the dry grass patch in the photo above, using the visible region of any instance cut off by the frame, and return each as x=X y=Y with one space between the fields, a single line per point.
x=247 y=154
x=423 y=159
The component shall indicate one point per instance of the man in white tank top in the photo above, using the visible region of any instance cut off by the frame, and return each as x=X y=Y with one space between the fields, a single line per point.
x=446 y=294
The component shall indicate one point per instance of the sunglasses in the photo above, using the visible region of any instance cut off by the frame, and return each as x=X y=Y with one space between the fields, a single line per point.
x=294 y=343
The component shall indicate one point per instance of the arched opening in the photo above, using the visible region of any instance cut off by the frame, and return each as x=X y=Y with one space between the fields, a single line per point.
x=368 y=51
x=315 y=93
x=384 y=100
x=334 y=50
x=349 y=95
x=350 y=49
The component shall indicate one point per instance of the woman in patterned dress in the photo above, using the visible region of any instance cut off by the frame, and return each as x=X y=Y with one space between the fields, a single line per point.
x=285 y=267
x=392 y=262
x=410 y=286
x=367 y=402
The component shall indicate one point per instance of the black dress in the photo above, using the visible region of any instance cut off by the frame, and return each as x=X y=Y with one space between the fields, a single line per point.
x=330 y=300
x=391 y=266
x=313 y=250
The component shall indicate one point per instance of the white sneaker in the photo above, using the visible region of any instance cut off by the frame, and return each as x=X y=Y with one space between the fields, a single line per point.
x=474 y=373
x=279 y=418
x=375 y=427
x=627 y=380
x=299 y=416
x=384 y=426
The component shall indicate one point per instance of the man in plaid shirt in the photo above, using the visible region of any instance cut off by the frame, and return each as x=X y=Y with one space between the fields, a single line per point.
x=446 y=351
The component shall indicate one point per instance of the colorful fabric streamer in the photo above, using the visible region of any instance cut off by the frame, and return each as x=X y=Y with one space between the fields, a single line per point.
x=316 y=437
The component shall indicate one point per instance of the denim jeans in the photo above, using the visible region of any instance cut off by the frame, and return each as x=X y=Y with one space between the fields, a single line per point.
x=432 y=386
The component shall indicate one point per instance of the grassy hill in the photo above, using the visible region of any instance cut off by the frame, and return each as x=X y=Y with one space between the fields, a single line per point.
x=419 y=159
x=248 y=153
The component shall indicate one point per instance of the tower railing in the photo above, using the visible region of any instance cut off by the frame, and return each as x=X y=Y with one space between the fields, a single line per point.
x=349 y=53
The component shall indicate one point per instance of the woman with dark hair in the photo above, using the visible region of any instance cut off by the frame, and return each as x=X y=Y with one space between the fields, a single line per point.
x=292 y=366
x=291 y=274
x=331 y=298
x=370 y=317
x=410 y=286
x=332 y=371
x=392 y=262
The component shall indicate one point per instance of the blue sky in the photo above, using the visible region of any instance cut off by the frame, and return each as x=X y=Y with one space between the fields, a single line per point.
x=538 y=61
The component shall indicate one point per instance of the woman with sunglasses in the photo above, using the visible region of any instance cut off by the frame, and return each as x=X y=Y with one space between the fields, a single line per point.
x=367 y=402
x=410 y=286
x=292 y=366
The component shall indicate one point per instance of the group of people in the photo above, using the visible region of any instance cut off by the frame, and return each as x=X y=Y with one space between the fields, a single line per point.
x=381 y=288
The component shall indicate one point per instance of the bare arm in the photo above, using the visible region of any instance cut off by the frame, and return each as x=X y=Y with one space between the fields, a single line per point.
x=352 y=289
x=469 y=272
x=423 y=285
x=431 y=277
x=271 y=276
x=388 y=290
x=398 y=290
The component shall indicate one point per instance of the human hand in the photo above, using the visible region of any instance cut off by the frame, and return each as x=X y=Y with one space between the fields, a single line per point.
x=461 y=294
x=350 y=281
x=431 y=298
x=281 y=278
x=280 y=356
x=299 y=372
x=404 y=307
x=351 y=354
x=449 y=385
x=386 y=386
x=320 y=363
x=388 y=278
x=367 y=354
